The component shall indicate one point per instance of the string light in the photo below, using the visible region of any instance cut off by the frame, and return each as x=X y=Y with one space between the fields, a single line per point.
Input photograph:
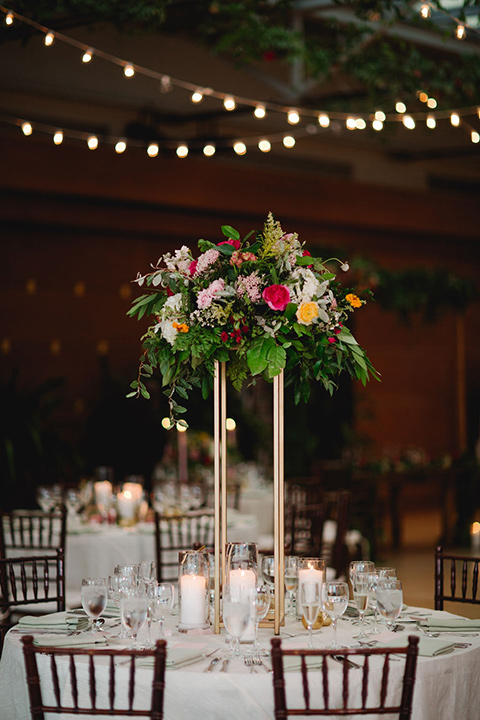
x=455 y=119
x=87 y=55
x=229 y=103
x=165 y=84
x=182 y=151
x=92 y=142
x=323 y=120
x=209 y=150
x=400 y=107
x=289 y=141
x=380 y=116
x=425 y=11
x=260 y=112
x=120 y=146
x=293 y=116
x=431 y=103
x=350 y=123
x=9 y=18
x=197 y=96
x=27 y=128
x=474 y=136
x=152 y=150
x=377 y=125
x=423 y=97
x=431 y=122
x=265 y=145
x=360 y=124
x=240 y=147
x=58 y=137
x=460 y=32
x=409 y=122
x=129 y=70
x=49 y=39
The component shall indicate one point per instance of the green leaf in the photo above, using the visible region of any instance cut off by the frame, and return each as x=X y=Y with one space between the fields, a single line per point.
x=257 y=355
x=182 y=392
x=225 y=249
x=230 y=232
x=346 y=336
x=145 y=393
x=290 y=310
x=132 y=394
x=277 y=357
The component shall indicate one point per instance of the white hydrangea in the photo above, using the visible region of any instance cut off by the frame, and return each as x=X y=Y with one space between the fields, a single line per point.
x=173 y=304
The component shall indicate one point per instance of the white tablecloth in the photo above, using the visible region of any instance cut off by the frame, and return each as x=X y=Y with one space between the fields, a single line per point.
x=446 y=687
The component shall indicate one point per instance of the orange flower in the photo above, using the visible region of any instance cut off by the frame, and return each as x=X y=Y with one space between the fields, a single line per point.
x=354 y=300
x=181 y=327
x=307 y=312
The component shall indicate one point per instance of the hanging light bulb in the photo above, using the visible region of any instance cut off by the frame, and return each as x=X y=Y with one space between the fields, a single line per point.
x=409 y=122
x=27 y=128
x=423 y=97
x=323 y=120
x=129 y=70
x=400 y=107
x=209 y=150
x=260 y=112
x=265 y=145
x=350 y=123
x=87 y=55
x=197 y=96
x=9 y=18
x=58 y=137
x=165 y=84
x=461 y=32
x=474 y=137
x=377 y=125
x=425 y=11
x=240 y=147
x=431 y=103
x=182 y=151
x=360 y=124
x=431 y=122
x=455 y=119
x=152 y=150
x=380 y=116
x=92 y=142
x=293 y=117
x=229 y=103
x=120 y=147
x=49 y=39
x=289 y=141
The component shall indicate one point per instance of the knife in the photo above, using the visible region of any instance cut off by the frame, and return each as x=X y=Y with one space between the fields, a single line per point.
x=214 y=662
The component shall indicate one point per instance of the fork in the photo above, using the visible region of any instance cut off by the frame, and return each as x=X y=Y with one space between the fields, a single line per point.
x=257 y=660
x=250 y=662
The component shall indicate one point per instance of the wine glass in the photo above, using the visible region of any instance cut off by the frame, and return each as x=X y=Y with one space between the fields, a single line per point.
x=131 y=569
x=119 y=586
x=362 y=583
x=261 y=604
x=147 y=569
x=237 y=613
x=133 y=613
x=73 y=502
x=389 y=600
x=268 y=570
x=44 y=497
x=291 y=581
x=310 y=599
x=362 y=566
x=161 y=598
x=378 y=574
x=94 y=598
x=335 y=600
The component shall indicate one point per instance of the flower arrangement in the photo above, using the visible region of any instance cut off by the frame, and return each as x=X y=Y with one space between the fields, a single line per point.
x=263 y=304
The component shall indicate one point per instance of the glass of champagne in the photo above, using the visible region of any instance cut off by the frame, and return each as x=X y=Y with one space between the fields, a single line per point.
x=291 y=581
x=310 y=599
x=161 y=598
x=94 y=598
x=237 y=612
x=334 y=601
x=389 y=600
x=261 y=603
x=133 y=613
x=362 y=582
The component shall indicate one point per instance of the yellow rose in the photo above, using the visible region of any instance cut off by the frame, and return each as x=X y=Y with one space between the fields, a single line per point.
x=307 y=312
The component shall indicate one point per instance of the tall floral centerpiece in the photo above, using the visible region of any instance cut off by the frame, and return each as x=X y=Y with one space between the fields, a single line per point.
x=244 y=308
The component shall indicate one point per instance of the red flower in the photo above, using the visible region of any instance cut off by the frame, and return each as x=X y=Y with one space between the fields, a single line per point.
x=332 y=340
x=169 y=292
x=277 y=297
x=238 y=339
x=231 y=241
x=192 y=267
x=245 y=328
x=224 y=336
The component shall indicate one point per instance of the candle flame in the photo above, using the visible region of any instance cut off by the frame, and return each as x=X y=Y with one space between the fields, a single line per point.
x=127 y=494
x=475 y=528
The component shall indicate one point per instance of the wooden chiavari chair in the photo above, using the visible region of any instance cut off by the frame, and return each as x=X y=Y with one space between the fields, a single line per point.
x=462 y=582
x=173 y=534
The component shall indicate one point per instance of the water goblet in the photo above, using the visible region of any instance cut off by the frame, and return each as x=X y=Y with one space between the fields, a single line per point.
x=389 y=600
x=334 y=601
x=133 y=613
x=291 y=581
x=94 y=599
x=362 y=583
x=378 y=574
x=161 y=598
x=268 y=570
x=237 y=612
x=310 y=599
x=44 y=497
x=261 y=604
x=119 y=586
x=127 y=569
x=147 y=569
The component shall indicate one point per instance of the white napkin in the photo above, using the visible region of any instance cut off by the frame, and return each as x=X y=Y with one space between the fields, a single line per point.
x=427 y=647
x=54 y=621
x=450 y=625
x=84 y=640
x=176 y=658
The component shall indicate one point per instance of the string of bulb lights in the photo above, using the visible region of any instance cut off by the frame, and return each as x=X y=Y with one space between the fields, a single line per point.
x=461 y=25
x=357 y=121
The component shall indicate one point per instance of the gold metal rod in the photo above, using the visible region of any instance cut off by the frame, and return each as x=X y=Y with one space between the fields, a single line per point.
x=216 y=474
x=276 y=504
x=223 y=441
x=281 y=491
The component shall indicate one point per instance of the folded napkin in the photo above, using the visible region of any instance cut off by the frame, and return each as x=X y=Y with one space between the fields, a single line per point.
x=292 y=663
x=54 y=621
x=449 y=625
x=352 y=611
x=176 y=658
x=84 y=640
x=427 y=647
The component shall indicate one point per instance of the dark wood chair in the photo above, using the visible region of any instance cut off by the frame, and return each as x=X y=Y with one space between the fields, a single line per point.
x=92 y=666
x=27 y=582
x=173 y=534
x=32 y=530
x=363 y=704
x=462 y=571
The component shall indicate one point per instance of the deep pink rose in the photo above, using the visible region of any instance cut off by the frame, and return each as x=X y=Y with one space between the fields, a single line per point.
x=192 y=267
x=277 y=297
x=231 y=241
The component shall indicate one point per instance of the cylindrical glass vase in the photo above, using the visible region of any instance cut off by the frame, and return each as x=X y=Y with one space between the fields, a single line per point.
x=193 y=590
x=309 y=570
x=241 y=573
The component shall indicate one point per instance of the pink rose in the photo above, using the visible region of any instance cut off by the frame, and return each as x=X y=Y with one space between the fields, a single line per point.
x=231 y=241
x=277 y=297
x=192 y=267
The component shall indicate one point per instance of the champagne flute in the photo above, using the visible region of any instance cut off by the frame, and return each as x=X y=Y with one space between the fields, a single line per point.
x=161 y=598
x=380 y=573
x=237 y=613
x=291 y=581
x=310 y=599
x=362 y=582
x=335 y=600
x=261 y=603
x=133 y=612
x=389 y=600
x=94 y=598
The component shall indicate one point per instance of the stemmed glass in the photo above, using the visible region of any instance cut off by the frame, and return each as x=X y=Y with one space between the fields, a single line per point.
x=389 y=600
x=335 y=600
x=362 y=583
x=44 y=497
x=310 y=599
x=379 y=574
x=291 y=581
x=147 y=569
x=268 y=570
x=133 y=612
x=161 y=597
x=118 y=586
x=261 y=604
x=237 y=612
x=94 y=599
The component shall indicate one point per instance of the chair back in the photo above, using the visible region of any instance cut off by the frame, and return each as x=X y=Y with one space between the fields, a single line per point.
x=371 y=693
x=173 y=534
x=27 y=581
x=463 y=578
x=88 y=681
x=32 y=530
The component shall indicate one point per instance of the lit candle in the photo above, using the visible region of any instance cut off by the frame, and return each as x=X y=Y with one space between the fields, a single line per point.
x=308 y=574
x=126 y=505
x=136 y=490
x=241 y=580
x=103 y=492
x=192 y=603
x=475 y=535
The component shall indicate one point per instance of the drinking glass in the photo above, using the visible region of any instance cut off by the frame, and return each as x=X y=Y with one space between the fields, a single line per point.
x=261 y=604
x=147 y=570
x=73 y=502
x=335 y=600
x=127 y=569
x=291 y=581
x=310 y=599
x=389 y=600
x=362 y=583
x=378 y=574
x=118 y=586
x=133 y=612
x=237 y=612
x=361 y=566
x=268 y=570
x=44 y=497
x=161 y=598
x=94 y=598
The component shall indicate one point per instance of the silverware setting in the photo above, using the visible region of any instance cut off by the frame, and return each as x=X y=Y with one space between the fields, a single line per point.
x=344 y=661
x=212 y=664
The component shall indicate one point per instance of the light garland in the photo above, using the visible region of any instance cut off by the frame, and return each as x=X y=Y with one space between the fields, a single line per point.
x=461 y=25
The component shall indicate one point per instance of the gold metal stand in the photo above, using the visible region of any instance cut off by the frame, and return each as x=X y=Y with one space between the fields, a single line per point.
x=220 y=480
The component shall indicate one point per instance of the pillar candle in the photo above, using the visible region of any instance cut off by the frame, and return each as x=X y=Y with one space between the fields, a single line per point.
x=239 y=580
x=126 y=505
x=309 y=574
x=192 y=600
x=103 y=492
